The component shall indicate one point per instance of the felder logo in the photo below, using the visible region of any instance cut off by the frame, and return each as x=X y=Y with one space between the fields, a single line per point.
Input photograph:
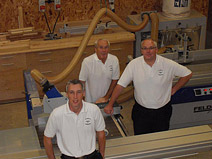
x=203 y=108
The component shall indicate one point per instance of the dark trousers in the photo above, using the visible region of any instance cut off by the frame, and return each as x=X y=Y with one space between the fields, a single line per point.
x=93 y=155
x=151 y=120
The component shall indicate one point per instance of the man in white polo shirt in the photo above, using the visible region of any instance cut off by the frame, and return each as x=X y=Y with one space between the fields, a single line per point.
x=76 y=125
x=152 y=76
x=100 y=73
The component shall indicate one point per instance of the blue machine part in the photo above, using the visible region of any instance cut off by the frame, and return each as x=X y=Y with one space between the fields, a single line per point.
x=192 y=94
x=29 y=105
x=50 y=90
x=31 y=91
x=53 y=93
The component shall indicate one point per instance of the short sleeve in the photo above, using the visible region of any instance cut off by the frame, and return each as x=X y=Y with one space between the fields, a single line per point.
x=116 y=72
x=126 y=76
x=50 y=129
x=180 y=70
x=99 y=120
x=83 y=72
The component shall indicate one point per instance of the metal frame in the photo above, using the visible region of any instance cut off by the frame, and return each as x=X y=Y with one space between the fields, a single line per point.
x=195 y=19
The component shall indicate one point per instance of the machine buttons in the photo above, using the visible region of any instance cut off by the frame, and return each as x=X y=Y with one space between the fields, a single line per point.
x=197 y=92
x=203 y=91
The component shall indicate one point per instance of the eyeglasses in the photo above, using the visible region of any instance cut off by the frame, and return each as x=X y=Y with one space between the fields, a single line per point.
x=101 y=47
x=145 y=49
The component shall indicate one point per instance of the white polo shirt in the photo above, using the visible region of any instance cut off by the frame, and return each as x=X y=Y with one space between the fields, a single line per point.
x=98 y=76
x=76 y=134
x=152 y=84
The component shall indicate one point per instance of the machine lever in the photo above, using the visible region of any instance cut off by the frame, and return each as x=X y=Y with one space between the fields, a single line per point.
x=117 y=116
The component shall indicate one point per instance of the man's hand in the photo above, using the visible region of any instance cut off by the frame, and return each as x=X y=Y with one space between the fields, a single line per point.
x=48 y=147
x=173 y=91
x=180 y=83
x=102 y=100
x=108 y=109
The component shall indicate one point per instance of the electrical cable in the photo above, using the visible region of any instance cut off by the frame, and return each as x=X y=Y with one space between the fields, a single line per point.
x=106 y=7
x=100 y=3
x=47 y=23
x=39 y=77
x=55 y=22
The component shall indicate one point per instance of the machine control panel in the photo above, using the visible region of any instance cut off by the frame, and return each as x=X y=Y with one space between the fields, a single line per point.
x=203 y=91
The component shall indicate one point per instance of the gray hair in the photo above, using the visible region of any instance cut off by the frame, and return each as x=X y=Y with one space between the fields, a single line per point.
x=97 y=41
x=155 y=43
x=74 y=82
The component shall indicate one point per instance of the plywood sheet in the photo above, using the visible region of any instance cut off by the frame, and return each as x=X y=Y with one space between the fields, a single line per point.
x=75 y=10
x=13 y=115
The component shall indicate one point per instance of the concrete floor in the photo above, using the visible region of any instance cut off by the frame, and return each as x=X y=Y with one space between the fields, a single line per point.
x=14 y=115
x=126 y=113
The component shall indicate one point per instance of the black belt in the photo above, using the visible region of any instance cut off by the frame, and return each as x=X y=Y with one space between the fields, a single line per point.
x=90 y=156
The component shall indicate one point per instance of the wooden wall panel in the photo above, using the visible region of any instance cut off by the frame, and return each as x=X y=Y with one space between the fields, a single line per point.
x=200 y=5
x=73 y=10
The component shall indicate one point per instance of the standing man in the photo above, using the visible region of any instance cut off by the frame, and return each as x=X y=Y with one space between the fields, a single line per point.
x=100 y=73
x=152 y=76
x=76 y=125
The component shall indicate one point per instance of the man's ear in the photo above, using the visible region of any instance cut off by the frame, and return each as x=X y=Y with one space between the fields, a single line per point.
x=83 y=93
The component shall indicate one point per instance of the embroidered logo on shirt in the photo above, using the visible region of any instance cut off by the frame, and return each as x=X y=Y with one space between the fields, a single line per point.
x=87 y=121
x=111 y=67
x=160 y=72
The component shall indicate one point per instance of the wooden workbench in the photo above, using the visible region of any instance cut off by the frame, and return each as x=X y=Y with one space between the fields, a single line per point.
x=51 y=57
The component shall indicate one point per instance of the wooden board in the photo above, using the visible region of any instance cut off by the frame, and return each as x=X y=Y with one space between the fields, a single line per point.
x=13 y=115
x=76 y=10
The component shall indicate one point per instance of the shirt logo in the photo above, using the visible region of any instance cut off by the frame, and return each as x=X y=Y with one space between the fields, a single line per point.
x=111 y=68
x=160 y=72
x=87 y=121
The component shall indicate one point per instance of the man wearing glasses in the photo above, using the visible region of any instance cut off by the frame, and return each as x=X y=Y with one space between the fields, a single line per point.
x=152 y=76
x=100 y=73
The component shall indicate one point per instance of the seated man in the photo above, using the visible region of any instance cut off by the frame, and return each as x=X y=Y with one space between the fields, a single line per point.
x=100 y=73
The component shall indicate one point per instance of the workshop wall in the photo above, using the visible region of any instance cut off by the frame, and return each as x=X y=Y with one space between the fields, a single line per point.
x=209 y=26
x=74 y=10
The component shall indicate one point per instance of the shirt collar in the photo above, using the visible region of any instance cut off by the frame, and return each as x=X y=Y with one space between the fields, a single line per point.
x=157 y=60
x=97 y=59
x=68 y=111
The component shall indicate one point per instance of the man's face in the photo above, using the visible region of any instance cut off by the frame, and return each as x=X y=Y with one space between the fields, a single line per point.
x=149 y=50
x=75 y=95
x=102 y=50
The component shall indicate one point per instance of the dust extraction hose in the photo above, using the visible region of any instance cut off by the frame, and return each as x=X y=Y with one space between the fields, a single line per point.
x=39 y=77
